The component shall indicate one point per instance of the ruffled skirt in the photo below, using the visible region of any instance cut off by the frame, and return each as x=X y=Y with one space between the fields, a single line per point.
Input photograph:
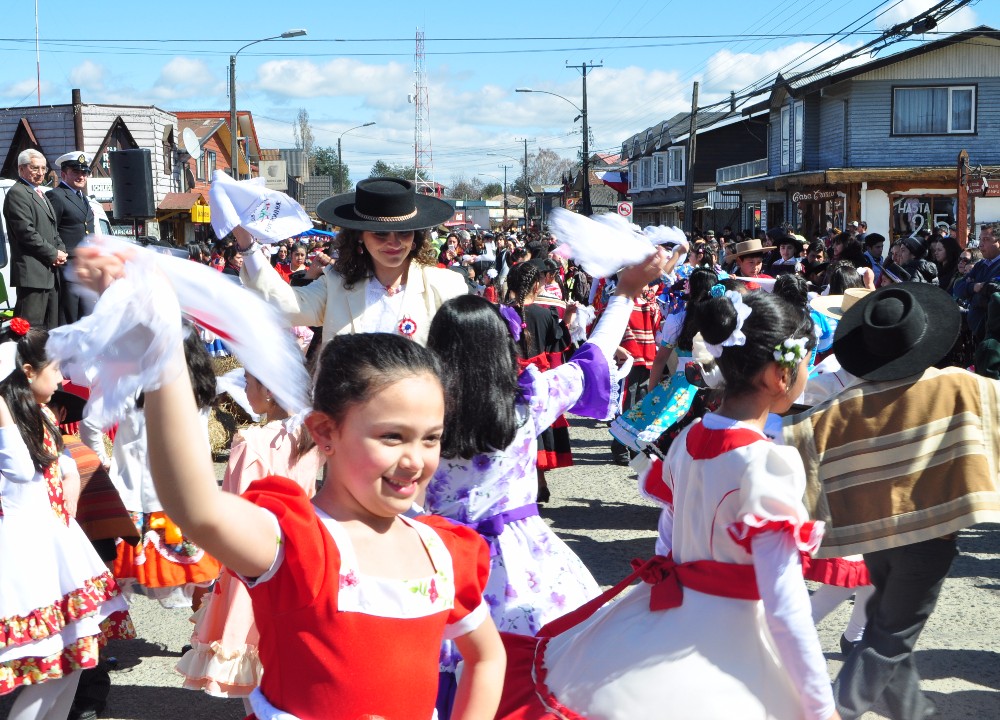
x=58 y=602
x=711 y=658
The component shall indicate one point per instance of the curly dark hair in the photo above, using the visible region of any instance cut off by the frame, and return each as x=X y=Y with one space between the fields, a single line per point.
x=354 y=266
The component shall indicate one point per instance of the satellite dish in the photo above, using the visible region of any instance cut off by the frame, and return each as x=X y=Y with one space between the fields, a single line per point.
x=190 y=144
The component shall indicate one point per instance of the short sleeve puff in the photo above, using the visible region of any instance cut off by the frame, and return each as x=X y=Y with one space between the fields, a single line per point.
x=310 y=555
x=771 y=492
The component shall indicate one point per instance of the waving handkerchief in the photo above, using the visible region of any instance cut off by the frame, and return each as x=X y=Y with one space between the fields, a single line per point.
x=602 y=245
x=270 y=216
x=121 y=347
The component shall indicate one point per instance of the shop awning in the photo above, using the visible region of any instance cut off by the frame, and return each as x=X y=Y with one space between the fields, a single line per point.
x=189 y=202
x=183 y=202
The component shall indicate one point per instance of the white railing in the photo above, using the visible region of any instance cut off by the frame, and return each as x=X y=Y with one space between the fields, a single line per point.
x=742 y=171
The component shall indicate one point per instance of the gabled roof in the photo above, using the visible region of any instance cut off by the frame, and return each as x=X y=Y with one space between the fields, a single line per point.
x=244 y=119
x=807 y=82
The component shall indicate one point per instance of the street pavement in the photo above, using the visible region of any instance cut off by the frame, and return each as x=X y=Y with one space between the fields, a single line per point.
x=596 y=509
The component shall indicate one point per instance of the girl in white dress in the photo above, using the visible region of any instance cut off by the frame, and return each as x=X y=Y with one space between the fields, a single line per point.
x=58 y=602
x=720 y=627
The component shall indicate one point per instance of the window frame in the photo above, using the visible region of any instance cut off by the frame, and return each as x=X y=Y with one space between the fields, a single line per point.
x=672 y=153
x=791 y=125
x=974 y=87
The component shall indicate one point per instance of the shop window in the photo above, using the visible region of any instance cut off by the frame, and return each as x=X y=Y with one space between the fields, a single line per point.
x=676 y=163
x=913 y=213
x=934 y=110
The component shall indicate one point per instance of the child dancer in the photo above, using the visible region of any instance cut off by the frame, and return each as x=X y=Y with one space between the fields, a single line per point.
x=487 y=478
x=720 y=627
x=669 y=401
x=58 y=601
x=165 y=564
x=223 y=660
x=352 y=599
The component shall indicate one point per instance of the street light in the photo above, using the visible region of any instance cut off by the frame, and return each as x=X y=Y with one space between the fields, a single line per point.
x=340 y=157
x=585 y=207
x=235 y=140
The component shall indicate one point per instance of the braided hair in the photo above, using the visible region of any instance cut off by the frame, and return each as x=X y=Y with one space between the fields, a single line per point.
x=521 y=283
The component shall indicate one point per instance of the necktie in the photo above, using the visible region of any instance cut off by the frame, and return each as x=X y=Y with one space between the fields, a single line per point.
x=38 y=189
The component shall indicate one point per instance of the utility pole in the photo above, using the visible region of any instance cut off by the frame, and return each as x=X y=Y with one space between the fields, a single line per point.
x=505 y=167
x=527 y=187
x=689 y=171
x=586 y=208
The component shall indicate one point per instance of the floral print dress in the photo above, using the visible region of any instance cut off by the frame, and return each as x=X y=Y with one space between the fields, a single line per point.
x=58 y=602
x=534 y=576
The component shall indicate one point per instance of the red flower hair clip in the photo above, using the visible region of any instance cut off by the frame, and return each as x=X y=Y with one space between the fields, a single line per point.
x=20 y=326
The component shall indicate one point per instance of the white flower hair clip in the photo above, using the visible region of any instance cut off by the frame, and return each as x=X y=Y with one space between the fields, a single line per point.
x=791 y=352
x=736 y=338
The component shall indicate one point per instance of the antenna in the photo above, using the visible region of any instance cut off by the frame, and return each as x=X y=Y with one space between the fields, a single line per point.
x=190 y=143
x=423 y=159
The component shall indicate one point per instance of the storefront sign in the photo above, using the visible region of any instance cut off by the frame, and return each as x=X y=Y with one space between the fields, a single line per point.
x=912 y=213
x=814 y=195
x=981 y=187
x=100 y=189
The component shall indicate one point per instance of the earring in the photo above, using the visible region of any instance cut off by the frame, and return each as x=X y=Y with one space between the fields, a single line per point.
x=327 y=448
x=361 y=248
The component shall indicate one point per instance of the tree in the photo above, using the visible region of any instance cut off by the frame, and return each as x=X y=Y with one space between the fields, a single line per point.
x=492 y=189
x=384 y=169
x=304 y=137
x=544 y=168
x=325 y=163
x=463 y=188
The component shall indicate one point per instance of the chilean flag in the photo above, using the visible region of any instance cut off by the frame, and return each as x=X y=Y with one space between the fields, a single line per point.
x=616 y=179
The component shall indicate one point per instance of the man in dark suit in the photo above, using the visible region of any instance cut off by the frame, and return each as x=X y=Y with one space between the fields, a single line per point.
x=74 y=221
x=35 y=247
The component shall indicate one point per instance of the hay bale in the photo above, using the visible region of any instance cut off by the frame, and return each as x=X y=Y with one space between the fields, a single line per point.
x=224 y=364
x=221 y=428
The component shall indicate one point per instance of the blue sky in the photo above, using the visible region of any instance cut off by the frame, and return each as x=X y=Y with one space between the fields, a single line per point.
x=356 y=64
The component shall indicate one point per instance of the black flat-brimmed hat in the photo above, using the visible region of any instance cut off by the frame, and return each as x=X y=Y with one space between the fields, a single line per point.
x=384 y=205
x=897 y=331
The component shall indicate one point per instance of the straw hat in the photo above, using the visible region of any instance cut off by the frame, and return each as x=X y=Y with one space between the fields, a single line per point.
x=834 y=306
x=750 y=247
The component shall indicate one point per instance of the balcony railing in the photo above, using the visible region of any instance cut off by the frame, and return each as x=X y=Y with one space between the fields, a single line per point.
x=742 y=171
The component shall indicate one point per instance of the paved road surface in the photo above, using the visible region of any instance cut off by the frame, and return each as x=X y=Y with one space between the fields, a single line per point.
x=596 y=509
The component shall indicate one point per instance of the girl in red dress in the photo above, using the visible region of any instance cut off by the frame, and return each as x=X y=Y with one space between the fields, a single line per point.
x=352 y=598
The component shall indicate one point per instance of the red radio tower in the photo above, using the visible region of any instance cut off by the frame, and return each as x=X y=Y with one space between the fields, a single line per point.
x=423 y=160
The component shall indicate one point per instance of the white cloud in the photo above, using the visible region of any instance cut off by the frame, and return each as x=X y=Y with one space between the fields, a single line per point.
x=184 y=78
x=964 y=19
x=20 y=90
x=88 y=75
x=380 y=86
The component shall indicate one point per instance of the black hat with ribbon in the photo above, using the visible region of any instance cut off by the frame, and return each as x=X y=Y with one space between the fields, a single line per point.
x=897 y=331
x=384 y=205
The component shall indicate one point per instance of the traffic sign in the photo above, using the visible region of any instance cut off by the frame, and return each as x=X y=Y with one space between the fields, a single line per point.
x=625 y=209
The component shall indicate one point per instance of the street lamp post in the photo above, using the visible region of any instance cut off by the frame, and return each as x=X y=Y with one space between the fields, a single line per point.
x=340 y=156
x=234 y=130
x=585 y=206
